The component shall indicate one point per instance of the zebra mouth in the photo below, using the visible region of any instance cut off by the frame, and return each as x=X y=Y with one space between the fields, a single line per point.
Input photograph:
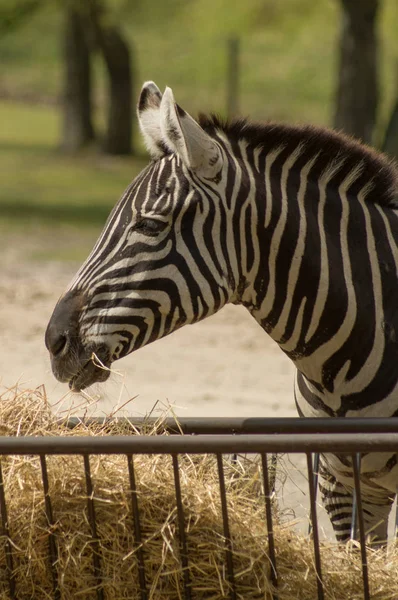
x=94 y=370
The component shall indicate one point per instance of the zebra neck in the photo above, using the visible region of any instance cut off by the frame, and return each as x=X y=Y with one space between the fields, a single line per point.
x=315 y=273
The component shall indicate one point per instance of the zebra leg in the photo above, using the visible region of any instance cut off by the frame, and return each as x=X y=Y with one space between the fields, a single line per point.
x=338 y=500
x=376 y=513
x=338 y=503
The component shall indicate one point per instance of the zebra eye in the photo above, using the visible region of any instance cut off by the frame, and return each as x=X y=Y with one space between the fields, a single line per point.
x=149 y=226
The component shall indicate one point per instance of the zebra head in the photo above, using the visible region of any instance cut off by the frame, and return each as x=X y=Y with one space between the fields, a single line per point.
x=150 y=271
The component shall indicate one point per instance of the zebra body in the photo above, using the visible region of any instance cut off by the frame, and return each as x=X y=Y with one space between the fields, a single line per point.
x=298 y=224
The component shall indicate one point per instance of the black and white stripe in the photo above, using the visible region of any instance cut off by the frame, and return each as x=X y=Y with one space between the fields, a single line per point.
x=299 y=225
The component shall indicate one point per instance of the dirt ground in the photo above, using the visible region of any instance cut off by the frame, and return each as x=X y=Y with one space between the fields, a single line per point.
x=223 y=366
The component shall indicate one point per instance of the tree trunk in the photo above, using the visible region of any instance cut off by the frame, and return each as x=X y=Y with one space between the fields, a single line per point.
x=390 y=143
x=77 y=125
x=357 y=96
x=116 y=54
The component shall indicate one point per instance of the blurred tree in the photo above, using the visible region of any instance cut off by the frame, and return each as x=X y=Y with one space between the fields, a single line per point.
x=357 y=90
x=90 y=27
x=15 y=12
x=77 y=130
x=116 y=54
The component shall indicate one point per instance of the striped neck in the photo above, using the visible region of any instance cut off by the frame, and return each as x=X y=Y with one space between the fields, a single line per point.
x=305 y=237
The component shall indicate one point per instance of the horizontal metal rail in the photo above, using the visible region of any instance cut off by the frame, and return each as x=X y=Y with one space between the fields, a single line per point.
x=231 y=436
x=238 y=425
x=199 y=444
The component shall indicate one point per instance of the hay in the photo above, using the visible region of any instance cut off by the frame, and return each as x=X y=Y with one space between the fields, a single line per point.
x=27 y=413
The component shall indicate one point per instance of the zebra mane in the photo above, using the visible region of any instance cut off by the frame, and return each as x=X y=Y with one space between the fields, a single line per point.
x=376 y=168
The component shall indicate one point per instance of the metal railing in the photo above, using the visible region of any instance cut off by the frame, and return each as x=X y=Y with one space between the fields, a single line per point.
x=205 y=436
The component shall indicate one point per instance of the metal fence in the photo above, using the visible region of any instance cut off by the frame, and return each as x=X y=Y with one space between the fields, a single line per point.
x=218 y=436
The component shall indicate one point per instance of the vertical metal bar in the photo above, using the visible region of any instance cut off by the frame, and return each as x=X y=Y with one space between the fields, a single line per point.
x=356 y=463
x=93 y=526
x=270 y=528
x=52 y=543
x=396 y=518
x=274 y=464
x=137 y=529
x=6 y=534
x=315 y=478
x=354 y=517
x=227 y=535
x=315 y=535
x=181 y=530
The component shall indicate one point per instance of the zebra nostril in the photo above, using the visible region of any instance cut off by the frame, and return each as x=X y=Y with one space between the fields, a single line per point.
x=58 y=344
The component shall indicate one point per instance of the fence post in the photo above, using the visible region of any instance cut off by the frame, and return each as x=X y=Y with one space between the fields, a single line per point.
x=232 y=77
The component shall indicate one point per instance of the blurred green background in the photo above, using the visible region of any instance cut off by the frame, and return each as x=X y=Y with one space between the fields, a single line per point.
x=288 y=63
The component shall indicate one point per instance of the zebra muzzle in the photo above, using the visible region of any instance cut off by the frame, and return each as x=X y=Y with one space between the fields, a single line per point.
x=94 y=370
x=72 y=362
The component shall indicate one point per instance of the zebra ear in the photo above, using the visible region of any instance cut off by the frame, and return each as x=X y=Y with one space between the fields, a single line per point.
x=185 y=136
x=148 y=113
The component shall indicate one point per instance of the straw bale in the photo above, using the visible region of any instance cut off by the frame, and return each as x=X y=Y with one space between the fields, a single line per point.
x=26 y=413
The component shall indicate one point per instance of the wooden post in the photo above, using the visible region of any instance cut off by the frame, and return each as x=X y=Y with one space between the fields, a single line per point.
x=357 y=86
x=232 y=77
x=390 y=141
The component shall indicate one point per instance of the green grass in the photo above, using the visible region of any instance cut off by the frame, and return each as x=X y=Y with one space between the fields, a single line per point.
x=38 y=182
x=287 y=72
x=288 y=53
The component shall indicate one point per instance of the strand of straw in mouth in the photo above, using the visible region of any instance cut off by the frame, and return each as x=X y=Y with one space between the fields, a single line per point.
x=98 y=363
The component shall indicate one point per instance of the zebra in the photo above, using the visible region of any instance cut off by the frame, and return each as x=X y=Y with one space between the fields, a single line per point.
x=299 y=224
